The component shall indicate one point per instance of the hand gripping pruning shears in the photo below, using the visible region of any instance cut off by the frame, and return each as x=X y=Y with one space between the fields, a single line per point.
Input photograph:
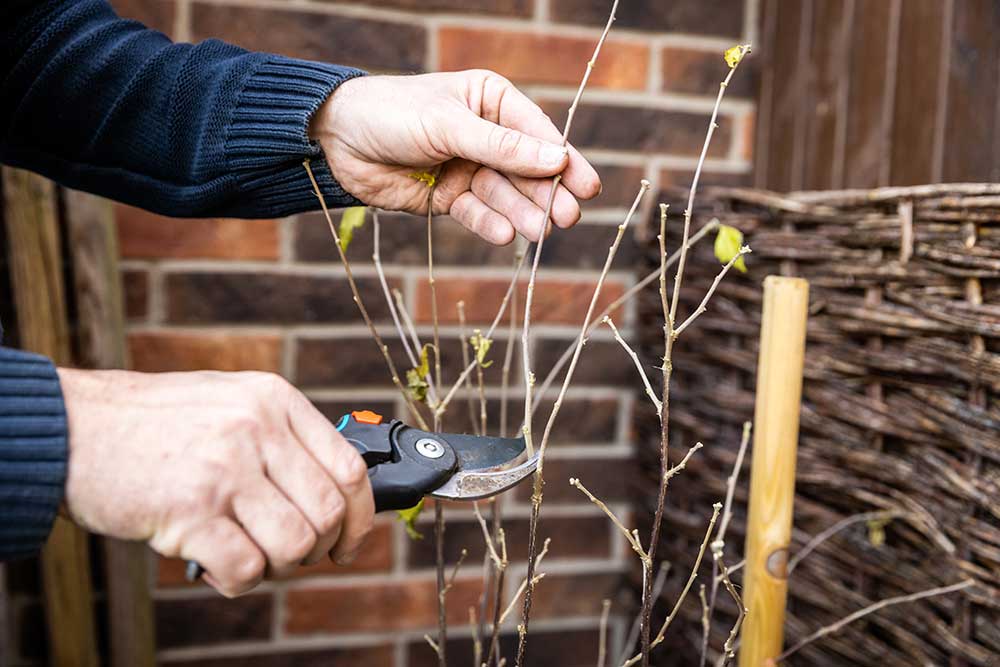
x=405 y=464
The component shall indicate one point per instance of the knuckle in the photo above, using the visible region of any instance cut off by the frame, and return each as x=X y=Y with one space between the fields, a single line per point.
x=332 y=513
x=248 y=572
x=505 y=143
x=353 y=470
x=298 y=545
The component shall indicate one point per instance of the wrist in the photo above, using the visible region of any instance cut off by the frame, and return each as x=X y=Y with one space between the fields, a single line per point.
x=324 y=122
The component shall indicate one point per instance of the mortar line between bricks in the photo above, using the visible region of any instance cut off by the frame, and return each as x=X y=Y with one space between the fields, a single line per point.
x=654 y=75
x=598 y=392
x=156 y=307
x=541 y=15
x=401 y=655
x=565 y=333
x=287 y=237
x=182 y=21
x=350 y=640
x=278 y=615
x=665 y=101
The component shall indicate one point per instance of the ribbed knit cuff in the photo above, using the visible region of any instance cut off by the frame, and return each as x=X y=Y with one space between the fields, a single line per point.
x=267 y=139
x=33 y=451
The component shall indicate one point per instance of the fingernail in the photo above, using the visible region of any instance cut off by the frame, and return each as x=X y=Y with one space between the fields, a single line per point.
x=551 y=154
x=348 y=558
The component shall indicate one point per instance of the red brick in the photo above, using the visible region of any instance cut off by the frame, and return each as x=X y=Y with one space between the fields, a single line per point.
x=642 y=129
x=699 y=72
x=368 y=656
x=748 y=135
x=345 y=40
x=376 y=555
x=213 y=620
x=572 y=537
x=531 y=57
x=700 y=17
x=561 y=596
x=145 y=235
x=501 y=7
x=156 y=352
x=135 y=285
x=156 y=14
x=554 y=301
x=607 y=479
x=378 y=606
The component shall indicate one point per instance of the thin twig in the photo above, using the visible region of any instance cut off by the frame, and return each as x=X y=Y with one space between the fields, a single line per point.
x=728 y=650
x=870 y=609
x=464 y=340
x=508 y=356
x=720 y=535
x=677 y=469
x=630 y=535
x=687 y=587
x=602 y=646
x=627 y=296
x=539 y=480
x=361 y=306
x=703 y=306
x=638 y=364
x=439 y=528
x=377 y=261
x=819 y=538
x=669 y=336
x=430 y=284
x=633 y=633
x=524 y=584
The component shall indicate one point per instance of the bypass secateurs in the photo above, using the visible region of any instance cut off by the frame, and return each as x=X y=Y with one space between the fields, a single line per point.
x=405 y=464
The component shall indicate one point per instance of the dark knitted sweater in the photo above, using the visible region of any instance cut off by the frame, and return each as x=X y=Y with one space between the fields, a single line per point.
x=106 y=105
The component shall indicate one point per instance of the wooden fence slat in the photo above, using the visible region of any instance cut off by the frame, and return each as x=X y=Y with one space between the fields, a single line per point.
x=37 y=279
x=94 y=249
x=918 y=111
x=973 y=75
x=866 y=150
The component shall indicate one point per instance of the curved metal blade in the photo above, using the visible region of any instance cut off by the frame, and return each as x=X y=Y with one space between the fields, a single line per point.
x=484 y=452
x=478 y=484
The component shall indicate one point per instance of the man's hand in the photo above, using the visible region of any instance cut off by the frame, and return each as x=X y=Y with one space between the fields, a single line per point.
x=237 y=471
x=496 y=150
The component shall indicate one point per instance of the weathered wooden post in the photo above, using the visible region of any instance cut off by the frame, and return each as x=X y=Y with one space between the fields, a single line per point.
x=772 y=476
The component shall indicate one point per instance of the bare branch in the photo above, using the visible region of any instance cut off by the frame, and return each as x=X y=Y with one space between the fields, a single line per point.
x=377 y=261
x=819 y=538
x=627 y=296
x=718 y=544
x=870 y=609
x=638 y=365
x=629 y=535
x=657 y=590
x=361 y=306
x=602 y=650
x=703 y=306
x=676 y=470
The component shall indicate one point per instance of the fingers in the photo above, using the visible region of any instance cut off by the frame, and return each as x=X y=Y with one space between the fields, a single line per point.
x=565 y=209
x=515 y=110
x=275 y=525
x=313 y=492
x=233 y=563
x=345 y=467
x=500 y=195
x=480 y=219
x=504 y=149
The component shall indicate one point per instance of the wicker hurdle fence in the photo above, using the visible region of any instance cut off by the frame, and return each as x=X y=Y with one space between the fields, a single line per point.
x=900 y=431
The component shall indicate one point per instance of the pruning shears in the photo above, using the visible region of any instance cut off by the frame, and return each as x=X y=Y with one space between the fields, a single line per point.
x=405 y=464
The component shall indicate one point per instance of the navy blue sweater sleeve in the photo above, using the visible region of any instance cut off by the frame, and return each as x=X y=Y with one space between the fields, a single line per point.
x=106 y=105
x=33 y=451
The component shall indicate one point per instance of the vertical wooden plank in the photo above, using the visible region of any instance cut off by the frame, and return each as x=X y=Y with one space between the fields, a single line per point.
x=772 y=469
x=765 y=93
x=785 y=151
x=99 y=304
x=869 y=91
x=823 y=111
x=37 y=278
x=918 y=111
x=973 y=71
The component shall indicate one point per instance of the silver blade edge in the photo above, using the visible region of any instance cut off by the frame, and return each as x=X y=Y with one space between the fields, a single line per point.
x=477 y=484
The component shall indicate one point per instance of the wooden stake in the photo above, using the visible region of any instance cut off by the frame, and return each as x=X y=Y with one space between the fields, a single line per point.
x=99 y=305
x=36 y=273
x=772 y=477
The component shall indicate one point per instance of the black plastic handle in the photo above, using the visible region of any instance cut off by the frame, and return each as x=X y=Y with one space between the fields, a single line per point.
x=404 y=463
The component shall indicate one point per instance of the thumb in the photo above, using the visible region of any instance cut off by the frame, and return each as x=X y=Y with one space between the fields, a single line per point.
x=503 y=149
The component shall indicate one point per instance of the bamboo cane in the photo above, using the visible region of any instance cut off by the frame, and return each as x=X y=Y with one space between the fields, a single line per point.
x=772 y=479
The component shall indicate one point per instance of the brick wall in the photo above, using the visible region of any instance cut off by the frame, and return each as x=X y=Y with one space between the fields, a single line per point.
x=270 y=295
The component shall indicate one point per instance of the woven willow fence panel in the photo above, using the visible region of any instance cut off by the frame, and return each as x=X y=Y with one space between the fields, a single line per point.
x=901 y=415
